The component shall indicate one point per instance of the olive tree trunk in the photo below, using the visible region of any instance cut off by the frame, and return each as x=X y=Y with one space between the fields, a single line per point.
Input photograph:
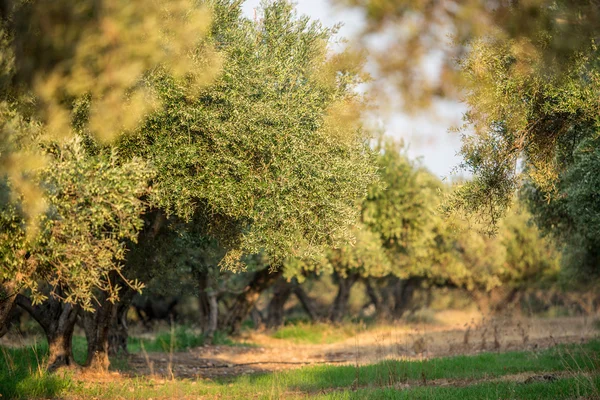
x=8 y=294
x=140 y=259
x=97 y=332
x=493 y=301
x=404 y=291
x=340 y=304
x=209 y=306
x=306 y=302
x=57 y=319
x=275 y=310
x=372 y=295
x=119 y=330
x=213 y=320
x=243 y=303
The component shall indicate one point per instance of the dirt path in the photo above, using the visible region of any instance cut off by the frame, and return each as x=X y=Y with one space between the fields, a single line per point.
x=390 y=342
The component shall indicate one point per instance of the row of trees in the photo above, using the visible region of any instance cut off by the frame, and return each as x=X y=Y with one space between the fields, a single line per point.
x=149 y=142
x=528 y=73
x=402 y=245
x=405 y=243
x=123 y=146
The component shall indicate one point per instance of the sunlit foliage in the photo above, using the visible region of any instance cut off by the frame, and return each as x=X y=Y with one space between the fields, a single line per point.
x=54 y=53
x=416 y=43
x=260 y=156
x=93 y=208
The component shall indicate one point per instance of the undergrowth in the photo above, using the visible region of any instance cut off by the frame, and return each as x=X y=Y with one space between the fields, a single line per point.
x=575 y=369
x=318 y=333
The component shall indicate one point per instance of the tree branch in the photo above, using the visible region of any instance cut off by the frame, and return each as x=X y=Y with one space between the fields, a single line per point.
x=25 y=303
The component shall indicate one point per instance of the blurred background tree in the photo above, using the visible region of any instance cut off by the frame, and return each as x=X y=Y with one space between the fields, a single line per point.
x=528 y=74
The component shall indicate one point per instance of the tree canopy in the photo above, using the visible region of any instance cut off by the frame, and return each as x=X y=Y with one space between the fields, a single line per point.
x=528 y=74
x=271 y=155
x=265 y=155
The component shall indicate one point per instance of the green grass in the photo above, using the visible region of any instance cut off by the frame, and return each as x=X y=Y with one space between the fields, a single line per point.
x=22 y=374
x=488 y=365
x=385 y=380
x=181 y=338
x=309 y=333
x=569 y=388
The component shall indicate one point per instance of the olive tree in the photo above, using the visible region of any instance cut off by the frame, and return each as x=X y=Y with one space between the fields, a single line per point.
x=528 y=73
x=93 y=208
x=94 y=53
x=267 y=156
x=270 y=158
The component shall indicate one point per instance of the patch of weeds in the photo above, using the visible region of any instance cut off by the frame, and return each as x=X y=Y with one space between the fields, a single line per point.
x=23 y=374
x=248 y=325
x=222 y=339
x=556 y=312
x=569 y=388
x=314 y=333
x=119 y=363
x=79 y=349
x=422 y=316
x=181 y=338
x=296 y=319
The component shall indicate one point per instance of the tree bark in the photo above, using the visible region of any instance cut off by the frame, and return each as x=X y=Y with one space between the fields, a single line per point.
x=203 y=299
x=57 y=319
x=372 y=295
x=209 y=306
x=404 y=291
x=275 y=310
x=119 y=330
x=8 y=294
x=97 y=327
x=340 y=304
x=244 y=302
x=258 y=320
x=306 y=302
x=213 y=319
x=387 y=300
x=140 y=259
x=495 y=300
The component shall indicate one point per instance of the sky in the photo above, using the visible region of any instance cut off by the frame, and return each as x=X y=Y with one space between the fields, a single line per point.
x=426 y=135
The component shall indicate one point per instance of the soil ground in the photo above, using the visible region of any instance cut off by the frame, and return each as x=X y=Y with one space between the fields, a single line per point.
x=453 y=334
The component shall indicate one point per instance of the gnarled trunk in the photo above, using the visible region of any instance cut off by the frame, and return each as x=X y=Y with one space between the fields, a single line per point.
x=209 y=307
x=404 y=291
x=386 y=297
x=372 y=295
x=275 y=310
x=203 y=300
x=97 y=328
x=57 y=319
x=8 y=294
x=306 y=302
x=213 y=319
x=340 y=304
x=60 y=347
x=119 y=333
x=244 y=302
x=495 y=300
x=258 y=320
